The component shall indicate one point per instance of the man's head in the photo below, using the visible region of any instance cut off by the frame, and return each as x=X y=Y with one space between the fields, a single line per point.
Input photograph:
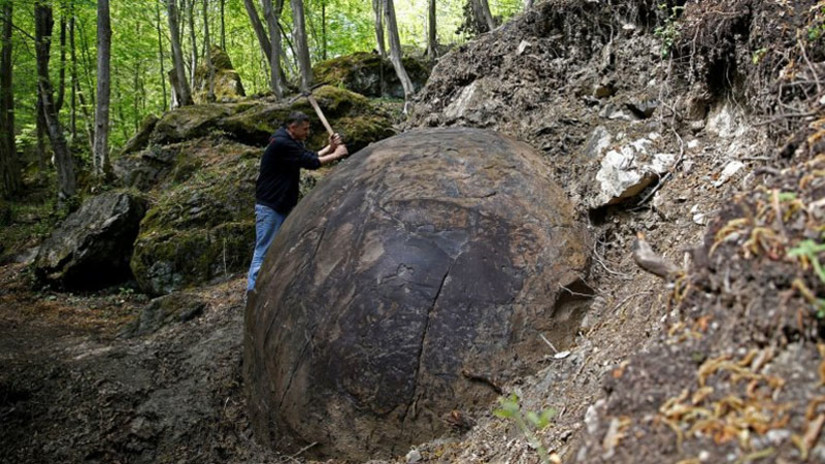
x=297 y=124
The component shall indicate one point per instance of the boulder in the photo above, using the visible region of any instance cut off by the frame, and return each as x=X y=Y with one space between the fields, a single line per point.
x=91 y=248
x=202 y=226
x=227 y=84
x=141 y=138
x=369 y=75
x=411 y=282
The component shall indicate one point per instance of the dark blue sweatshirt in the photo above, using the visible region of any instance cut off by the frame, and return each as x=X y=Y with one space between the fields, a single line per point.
x=277 y=185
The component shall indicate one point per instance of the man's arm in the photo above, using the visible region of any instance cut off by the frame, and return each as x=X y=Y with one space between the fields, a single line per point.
x=339 y=152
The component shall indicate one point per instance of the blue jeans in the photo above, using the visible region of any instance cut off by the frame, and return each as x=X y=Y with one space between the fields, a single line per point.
x=267 y=223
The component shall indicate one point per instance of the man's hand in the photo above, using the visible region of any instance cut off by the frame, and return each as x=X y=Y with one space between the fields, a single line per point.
x=334 y=141
x=340 y=151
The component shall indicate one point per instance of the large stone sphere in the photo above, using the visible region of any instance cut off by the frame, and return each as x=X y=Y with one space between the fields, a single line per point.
x=414 y=281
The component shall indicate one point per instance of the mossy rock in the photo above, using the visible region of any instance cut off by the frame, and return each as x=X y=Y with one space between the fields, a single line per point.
x=367 y=74
x=189 y=122
x=141 y=138
x=202 y=217
x=228 y=86
x=350 y=114
x=174 y=259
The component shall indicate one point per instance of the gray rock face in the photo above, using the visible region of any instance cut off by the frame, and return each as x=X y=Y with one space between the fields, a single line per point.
x=91 y=248
x=424 y=264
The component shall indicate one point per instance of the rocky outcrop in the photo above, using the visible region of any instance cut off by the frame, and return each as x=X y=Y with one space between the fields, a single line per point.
x=141 y=137
x=227 y=86
x=369 y=75
x=91 y=248
x=412 y=282
x=201 y=166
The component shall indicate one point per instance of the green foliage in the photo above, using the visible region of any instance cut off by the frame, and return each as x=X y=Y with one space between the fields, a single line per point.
x=810 y=250
x=669 y=32
x=528 y=423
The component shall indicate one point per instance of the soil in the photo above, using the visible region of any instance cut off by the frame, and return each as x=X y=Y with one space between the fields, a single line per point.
x=720 y=363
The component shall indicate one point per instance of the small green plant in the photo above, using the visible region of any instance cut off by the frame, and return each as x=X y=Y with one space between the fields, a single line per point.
x=668 y=33
x=808 y=251
x=758 y=55
x=528 y=423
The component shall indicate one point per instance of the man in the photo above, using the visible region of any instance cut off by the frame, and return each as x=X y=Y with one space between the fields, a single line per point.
x=276 y=191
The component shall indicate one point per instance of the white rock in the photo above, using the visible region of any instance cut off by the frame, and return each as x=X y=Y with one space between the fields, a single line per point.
x=524 y=45
x=732 y=168
x=459 y=105
x=413 y=456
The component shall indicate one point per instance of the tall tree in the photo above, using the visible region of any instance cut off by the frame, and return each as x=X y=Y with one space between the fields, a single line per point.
x=395 y=54
x=258 y=28
x=73 y=80
x=9 y=170
x=183 y=94
x=210 y=96
x=43 y=25
x=484 y=12
x=378 y=9
x=272 y=13
x=432 y=35
x=61 y=87
x=223 y=25
x=104 y=49
x=190 y=16
x=301 y=43
x=160 y=55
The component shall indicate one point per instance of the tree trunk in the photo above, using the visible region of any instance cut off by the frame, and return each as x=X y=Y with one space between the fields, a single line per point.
x=300 y=33
x=67 y=186
x=73 y=54
x=258 y=27
x=160 y=56
x=40 y=128
x=323 y=30
x=210 y=96
x=87 y=66
x=528 y=4
x=190 y=14
x=9 y=171
x=378 y=9
x=223 y=25
x=432 y=36
x=182 y=89
x=104 y=49
x=61 y=88
x=488 y=16
x=272 y=15
x=395 y=53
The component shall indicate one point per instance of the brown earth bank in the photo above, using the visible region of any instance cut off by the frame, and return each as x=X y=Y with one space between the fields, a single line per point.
x=720 y=361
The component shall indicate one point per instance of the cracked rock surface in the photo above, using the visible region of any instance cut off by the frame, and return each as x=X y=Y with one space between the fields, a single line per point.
x=420 y=267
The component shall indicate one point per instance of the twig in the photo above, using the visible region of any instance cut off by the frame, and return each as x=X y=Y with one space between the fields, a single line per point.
x=555 y=351
x=669 y=172
x=575 y=293
x=301 y=451
x=813 y=70
x=628 y=298
x=599 y=260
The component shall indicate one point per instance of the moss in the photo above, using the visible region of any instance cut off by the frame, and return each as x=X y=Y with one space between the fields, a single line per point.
x=176 y=259
x=341 y=107
x=363 y=72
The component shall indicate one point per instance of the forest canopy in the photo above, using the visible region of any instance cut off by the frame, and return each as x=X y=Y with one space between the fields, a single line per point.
x=141 y=52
